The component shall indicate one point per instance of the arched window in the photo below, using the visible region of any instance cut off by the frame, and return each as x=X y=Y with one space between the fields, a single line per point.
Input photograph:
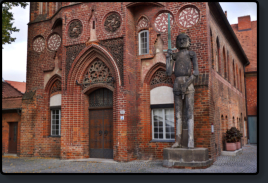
x=240 y=80
x=55 y=108
x=234 y=74
x=224 y=62
x=228 y=67
x=237 y=77
x=144 y=42
x=218 y=56
x=162 y=107
x=211 y=46
x=233 y=121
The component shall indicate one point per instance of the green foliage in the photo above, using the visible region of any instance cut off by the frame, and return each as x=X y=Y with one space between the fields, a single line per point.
x=233 y=135
x=7 y=24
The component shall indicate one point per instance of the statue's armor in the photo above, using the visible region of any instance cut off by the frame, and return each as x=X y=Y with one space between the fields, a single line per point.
x=183 y=66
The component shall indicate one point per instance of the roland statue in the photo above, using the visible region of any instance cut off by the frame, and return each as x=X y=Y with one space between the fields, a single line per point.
x=183 y=88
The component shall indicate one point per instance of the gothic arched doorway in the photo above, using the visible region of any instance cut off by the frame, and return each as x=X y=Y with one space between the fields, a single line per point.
x=101 y=123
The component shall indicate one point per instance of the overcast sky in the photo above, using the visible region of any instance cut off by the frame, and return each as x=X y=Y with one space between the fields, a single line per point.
x=14 y=55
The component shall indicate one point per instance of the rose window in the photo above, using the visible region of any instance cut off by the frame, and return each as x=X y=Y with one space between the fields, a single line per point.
x=39 y=44
x=188 y=17
x=112 y=22
x=161 y=22
x=54 y=42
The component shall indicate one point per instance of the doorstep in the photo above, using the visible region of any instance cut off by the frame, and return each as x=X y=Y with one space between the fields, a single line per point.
x=95 y=160
x=10 y=154
x=232 y=153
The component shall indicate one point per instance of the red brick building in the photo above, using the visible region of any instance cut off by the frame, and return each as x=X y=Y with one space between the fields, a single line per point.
x=96 y=83
x=246 y=32
x=12 y=92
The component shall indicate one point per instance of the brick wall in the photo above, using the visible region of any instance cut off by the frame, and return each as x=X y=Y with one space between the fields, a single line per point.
x=131 y=91
x=227 y=97
x=246 y=32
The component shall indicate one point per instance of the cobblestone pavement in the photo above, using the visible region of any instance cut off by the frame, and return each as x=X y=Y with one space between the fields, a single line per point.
x=243 y=163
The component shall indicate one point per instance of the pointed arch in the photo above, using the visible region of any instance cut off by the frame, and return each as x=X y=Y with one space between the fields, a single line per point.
x=212 y=53
x=143 y=23
x=51 y=81
x=85 y=58
x=218 y=56
x=224 y=62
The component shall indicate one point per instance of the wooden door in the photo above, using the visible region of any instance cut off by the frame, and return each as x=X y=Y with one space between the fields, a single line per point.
x=13 y=134
x=101 y=124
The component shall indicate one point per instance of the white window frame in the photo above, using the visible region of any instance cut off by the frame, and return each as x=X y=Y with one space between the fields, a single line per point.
x=147 y=50
x=164 y=125
x=52 y=122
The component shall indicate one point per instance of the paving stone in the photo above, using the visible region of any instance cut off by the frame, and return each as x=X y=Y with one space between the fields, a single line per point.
x=243 y=163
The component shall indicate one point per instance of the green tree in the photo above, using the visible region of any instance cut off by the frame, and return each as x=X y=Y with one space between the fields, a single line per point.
x=7 y=24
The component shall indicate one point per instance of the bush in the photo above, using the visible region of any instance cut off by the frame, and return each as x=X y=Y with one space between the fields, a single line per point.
x=233 y=135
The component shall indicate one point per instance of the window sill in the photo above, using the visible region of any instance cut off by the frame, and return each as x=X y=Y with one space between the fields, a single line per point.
x=157 y=140
x=146 y=56
x=53 y=136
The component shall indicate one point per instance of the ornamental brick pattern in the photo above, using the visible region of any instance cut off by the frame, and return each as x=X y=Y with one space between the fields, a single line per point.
x=143 y=23
x=188 y=17
x=161 y=22
x=117 y=27
x=54 y=42
x=39 y=44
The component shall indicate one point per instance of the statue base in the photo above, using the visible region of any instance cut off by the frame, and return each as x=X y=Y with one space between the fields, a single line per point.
x=196 y=158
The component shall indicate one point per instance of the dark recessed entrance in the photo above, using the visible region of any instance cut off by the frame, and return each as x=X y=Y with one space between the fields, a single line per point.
x=101 y=123
x=13 y=134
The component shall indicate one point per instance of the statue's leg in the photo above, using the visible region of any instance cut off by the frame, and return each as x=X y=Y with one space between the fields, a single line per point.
x=178 y=115
x=190 y=118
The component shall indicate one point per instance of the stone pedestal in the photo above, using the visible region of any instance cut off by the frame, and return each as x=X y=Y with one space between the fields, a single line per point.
x=186 y=158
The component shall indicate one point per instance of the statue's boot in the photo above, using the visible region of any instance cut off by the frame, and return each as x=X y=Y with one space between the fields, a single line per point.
x=178 y=142
x=190 y=134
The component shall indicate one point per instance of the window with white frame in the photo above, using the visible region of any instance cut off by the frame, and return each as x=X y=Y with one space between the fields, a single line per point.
x=163 y=124
x=55 y=122
x=144 y=42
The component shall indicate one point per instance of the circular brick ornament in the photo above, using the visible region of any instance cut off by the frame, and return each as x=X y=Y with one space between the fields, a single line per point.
x=161 y=22
x=112 y=22
x=39 y=44
x=75 y=29
x=188 y=17
x=54 y=42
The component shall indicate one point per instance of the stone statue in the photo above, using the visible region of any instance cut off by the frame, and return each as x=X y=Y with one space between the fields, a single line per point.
x=183 y=86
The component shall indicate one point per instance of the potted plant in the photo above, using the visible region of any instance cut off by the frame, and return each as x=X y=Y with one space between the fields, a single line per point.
x=230 y=139
x=238 y=139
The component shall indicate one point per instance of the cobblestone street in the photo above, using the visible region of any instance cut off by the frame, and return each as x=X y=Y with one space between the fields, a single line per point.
x=243 y=163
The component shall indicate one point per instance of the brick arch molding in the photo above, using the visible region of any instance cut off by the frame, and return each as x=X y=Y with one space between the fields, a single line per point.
x=153 y=69
x=85 y=58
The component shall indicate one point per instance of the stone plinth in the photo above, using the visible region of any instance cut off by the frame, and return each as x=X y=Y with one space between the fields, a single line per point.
x=186 y=158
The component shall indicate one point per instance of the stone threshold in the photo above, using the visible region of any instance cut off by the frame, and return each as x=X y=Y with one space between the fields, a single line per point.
x=232 y=153
x=10 y=154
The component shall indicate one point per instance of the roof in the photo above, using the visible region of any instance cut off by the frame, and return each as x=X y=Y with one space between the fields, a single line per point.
x=9 y=91
x=21 y=86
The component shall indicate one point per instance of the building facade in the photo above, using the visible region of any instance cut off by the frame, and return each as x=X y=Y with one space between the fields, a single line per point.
x=246 y=32
x=12 y=93
x=96 y=82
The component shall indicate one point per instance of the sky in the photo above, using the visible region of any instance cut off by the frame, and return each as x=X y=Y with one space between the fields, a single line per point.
x=14 y=55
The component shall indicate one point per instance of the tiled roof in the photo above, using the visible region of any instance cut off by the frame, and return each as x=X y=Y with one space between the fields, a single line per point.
x=8 y=91
x=21 y=86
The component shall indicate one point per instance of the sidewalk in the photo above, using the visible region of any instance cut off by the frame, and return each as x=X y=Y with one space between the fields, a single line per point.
x=243 y=163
